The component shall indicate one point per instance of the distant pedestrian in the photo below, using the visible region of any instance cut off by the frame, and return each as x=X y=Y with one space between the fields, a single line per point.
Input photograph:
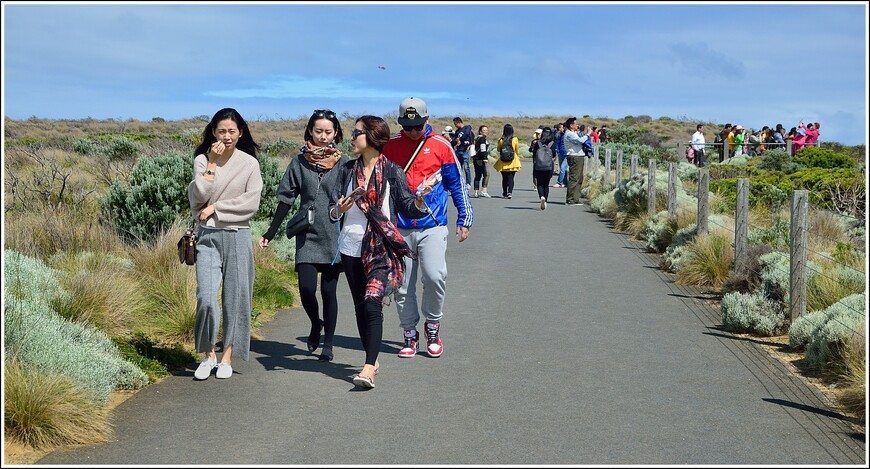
x=575 y=137
x=543 y=155
x=509 y=169
x=562 y=180
x=698 y=144
x=462 y=140
x=481 y=162
x=224 y=195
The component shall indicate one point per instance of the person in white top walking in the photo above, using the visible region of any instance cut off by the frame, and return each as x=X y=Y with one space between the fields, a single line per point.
x=698 y=143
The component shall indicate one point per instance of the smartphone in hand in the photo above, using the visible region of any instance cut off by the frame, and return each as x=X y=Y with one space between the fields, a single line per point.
x=357 y=193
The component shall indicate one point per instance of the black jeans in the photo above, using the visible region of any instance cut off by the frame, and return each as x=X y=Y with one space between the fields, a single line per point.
x=700 y=158
x=481 y=174
x=369 y=312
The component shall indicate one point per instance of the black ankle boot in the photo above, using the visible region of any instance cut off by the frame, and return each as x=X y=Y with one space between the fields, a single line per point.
x=314 y=336
x=326 y=353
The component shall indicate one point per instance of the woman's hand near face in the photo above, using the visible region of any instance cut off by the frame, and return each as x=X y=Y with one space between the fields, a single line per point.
x=218 y=147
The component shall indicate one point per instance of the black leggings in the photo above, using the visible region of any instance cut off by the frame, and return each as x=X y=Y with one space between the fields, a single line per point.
x=507 y=182
x=542 y=180
x=308 y=295
x=369 y=312
x=481 y=174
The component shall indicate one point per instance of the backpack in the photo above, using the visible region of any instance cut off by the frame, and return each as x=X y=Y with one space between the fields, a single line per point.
x=587 y=147
x=507 y=151
x=543 y=157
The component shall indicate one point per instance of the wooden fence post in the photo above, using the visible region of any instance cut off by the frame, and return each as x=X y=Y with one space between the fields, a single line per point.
x=633 y=170
x=607 y=167
x=651 y=188
x=788 y=147
x=703 y=192
x=797 y=261
x=672 y=189
x=681 y=150
x=741 y=228
x=618 y=166
x=595 y=159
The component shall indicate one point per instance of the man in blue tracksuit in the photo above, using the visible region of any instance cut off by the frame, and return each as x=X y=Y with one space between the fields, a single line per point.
x=423 y=153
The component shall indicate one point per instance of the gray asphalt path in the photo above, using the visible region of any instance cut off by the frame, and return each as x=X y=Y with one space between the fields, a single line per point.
x=564 y=344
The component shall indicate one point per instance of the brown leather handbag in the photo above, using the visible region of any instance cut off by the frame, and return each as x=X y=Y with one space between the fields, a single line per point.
x=187 y=248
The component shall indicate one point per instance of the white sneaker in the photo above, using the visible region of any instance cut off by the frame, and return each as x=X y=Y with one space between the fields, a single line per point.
x=484 y=194
x=543 y=203
x=223 y=371
x=203 y=371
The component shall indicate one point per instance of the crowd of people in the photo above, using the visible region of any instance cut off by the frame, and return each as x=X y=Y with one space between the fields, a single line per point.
x=380 y=218
x=735 y=140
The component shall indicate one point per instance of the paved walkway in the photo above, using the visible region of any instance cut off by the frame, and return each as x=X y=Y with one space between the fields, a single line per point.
x=564 y=344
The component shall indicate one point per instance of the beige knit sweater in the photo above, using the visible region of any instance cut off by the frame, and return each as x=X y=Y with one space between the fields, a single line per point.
x=234 y=192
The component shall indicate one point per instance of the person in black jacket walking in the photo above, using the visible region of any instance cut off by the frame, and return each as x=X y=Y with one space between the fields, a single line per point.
x=543 y=155
x=311 y=177
x=372 y=249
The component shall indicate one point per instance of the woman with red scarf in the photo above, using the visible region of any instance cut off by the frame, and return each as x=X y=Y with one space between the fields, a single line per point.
x=372 y=249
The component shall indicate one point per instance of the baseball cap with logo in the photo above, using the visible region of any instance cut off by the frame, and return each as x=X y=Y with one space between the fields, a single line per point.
x=412 y=111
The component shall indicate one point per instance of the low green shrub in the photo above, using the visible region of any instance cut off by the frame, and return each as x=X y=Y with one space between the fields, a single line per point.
x=815 y=157
x=752 y=312
x=154 y=198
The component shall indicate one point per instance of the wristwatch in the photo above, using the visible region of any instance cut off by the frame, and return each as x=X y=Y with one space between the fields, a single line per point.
x=209 y=172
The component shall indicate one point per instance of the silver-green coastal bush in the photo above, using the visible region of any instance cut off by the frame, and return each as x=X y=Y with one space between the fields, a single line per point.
x=830 y=328
x=775 y=275
x=752 y=312
x=40 y=338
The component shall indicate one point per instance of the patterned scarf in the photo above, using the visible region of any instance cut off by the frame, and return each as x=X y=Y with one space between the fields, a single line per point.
x=383 y=247
x=322 y=158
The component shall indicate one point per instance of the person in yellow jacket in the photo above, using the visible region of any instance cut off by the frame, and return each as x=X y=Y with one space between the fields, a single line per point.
x=508 y=169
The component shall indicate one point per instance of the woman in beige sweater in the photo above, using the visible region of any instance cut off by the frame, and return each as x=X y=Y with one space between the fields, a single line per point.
x=224 y=196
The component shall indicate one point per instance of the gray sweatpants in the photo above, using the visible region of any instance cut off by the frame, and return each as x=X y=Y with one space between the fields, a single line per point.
x=430 y=245
x=224 y=257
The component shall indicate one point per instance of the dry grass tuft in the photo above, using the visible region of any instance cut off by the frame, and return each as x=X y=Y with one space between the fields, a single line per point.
x=46 y=411
x=707 y=261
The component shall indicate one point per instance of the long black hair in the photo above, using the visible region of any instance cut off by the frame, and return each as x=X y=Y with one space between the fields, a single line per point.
x=507 y=134
x=546 y=135
x=246 y=142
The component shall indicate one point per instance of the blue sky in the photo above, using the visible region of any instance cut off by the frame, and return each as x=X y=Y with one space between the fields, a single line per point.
x=747 y=63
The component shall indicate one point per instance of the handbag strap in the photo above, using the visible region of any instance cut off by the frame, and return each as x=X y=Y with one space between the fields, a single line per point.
x=414 y=155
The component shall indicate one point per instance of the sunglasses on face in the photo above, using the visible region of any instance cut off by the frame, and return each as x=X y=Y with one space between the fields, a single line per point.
x=326 y=113
x=408 y=128
x=356 y=133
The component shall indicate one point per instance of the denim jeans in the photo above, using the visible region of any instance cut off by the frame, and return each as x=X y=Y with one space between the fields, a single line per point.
x=563 y=170
x=463 y=157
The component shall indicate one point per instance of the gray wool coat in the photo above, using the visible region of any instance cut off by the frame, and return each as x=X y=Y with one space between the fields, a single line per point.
x=319 y=244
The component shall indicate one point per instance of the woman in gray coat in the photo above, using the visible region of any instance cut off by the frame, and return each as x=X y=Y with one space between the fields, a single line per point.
x=311 y=177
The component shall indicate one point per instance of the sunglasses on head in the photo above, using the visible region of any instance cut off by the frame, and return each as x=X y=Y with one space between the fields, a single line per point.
x=408 y=128
x=356 y=133
x=324 y=113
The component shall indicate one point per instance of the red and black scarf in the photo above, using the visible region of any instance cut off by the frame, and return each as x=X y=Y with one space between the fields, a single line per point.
x=383 y=247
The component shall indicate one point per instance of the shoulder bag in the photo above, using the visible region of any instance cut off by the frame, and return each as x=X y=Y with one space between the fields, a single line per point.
x=187 y=248
x=304 y=218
